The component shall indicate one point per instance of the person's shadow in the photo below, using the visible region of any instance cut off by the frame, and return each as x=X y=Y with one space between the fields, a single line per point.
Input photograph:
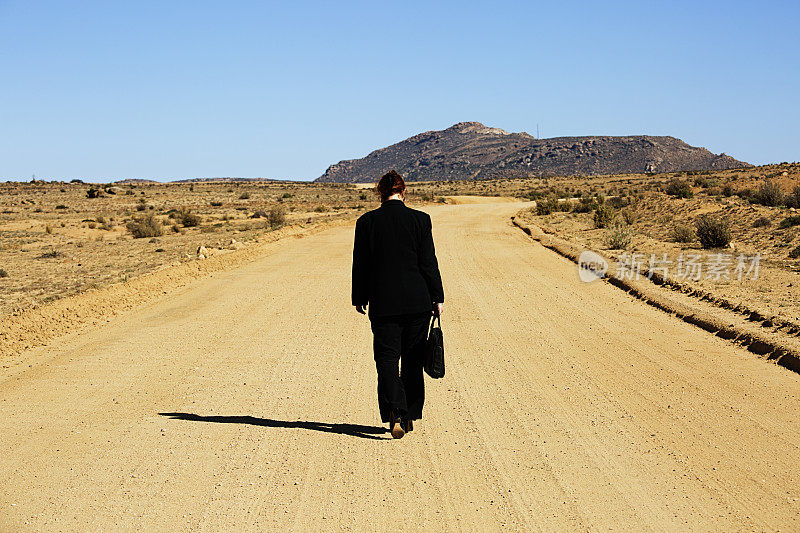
x=354 y=430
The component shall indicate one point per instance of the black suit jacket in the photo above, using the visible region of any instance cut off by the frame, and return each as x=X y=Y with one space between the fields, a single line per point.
x=394 y=262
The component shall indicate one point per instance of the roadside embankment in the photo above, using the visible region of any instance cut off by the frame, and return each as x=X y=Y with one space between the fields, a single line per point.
x=769 y=337
x=41 y=324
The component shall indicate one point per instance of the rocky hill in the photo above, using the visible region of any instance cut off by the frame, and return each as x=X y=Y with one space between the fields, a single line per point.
x=469 y=150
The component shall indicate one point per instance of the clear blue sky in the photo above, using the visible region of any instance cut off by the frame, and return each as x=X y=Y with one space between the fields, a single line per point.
x=170 y=89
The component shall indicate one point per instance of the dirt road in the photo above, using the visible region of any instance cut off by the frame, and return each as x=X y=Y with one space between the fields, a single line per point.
x=247 y=401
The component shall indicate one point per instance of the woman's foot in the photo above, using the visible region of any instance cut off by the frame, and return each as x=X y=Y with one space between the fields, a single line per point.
x=396 y=427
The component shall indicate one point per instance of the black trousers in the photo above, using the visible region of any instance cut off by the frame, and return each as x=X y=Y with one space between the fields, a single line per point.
x=397 y=339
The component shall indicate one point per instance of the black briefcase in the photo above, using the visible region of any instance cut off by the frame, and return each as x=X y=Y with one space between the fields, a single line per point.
x=434 y=350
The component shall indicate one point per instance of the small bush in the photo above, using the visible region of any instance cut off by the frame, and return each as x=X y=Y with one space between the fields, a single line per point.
x=616 y=202
x=48 y=229
x=276 y=217
x=260 y=214
x=712 y=232
x=630 y=216
x=620 y=237
x=190 y=220
x=793 y=254
x=216 y=204
x=683 y=233
x=762 y=222
x=769 y=194
x=287 y=195
x=793 y=199
x=727 y=190
x=61 y=206
x=586 y=204
x=3 y=273
x=321 y=209
x=244 y=196
x=147 y=226
x=141 y=207
x=362 y=196
x=93 y=193
x=679 y=189
x=52 y=254
x=603 y=216
x=547 y=206
x=791 y=221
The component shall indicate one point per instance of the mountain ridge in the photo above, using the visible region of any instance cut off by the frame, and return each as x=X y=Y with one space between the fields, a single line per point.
x=471 y=150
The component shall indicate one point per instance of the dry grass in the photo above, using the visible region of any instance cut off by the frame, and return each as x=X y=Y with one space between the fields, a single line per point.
x=58 y=239
x=734 y=212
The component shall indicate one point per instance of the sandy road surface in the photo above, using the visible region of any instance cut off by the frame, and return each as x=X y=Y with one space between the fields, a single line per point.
x=247 y=401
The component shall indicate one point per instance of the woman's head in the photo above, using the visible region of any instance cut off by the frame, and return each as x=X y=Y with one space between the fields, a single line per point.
x=389 y=184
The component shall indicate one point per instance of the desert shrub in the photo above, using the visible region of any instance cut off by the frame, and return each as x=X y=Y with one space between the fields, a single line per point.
x=769 y=194
x=48 y=229
x=683 y=233
x=761 y=222
x=92 y=225
x=616 y=202
x=679 y=189
x=276 y=217
x=712 y=232
x=620 y=237
x=3 y=273
x=630 y=216
x=287 y=195
x=321 y=209
x=727 y=190
x=141 y=207
x=791 y=221
x=794 y=253
x=216 y=204
x=547 y=206
x=362 y=196
x=147 y=226
x=586 y=204
x=244 y=196
x=260 y=214
x=565 y=206
x=93 y=193
x=793 y=198
x=603 y=216
x=61 y=206
x=52 y=254
x=190 y=220
x=745 y=194
x=701 y=181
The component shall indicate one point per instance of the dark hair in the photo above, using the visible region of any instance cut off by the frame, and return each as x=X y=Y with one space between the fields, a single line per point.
x=389 y=184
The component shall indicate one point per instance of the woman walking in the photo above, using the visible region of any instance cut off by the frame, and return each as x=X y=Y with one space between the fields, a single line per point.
x=396 y=276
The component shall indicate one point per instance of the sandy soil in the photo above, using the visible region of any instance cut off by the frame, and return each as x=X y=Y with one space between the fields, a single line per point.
x=247 y=402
